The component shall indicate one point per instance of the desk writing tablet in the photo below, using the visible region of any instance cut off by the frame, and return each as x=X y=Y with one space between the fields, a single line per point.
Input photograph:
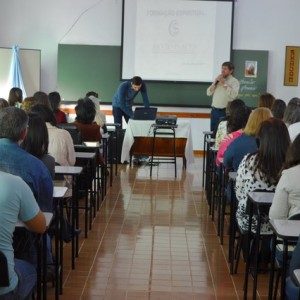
x=286 y=228
x=261 y=197
x=87 y=155
x=68 y=170
x=59 y=191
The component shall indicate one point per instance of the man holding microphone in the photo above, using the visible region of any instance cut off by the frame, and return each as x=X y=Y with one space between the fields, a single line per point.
x=224 y=89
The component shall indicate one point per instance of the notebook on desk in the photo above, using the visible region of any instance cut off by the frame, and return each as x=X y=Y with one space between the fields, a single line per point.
x=143 y=113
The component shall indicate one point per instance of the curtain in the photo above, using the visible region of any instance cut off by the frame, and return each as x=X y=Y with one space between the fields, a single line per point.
x=15 y=72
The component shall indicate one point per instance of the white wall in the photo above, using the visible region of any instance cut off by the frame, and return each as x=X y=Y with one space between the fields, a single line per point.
x=44 y=24
x=259 y=25
x=269 y=25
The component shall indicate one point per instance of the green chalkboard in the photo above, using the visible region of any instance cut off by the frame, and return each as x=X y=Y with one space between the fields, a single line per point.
x=82 y=68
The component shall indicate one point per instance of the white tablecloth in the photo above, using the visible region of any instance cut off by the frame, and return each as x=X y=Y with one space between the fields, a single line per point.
x=144 y=129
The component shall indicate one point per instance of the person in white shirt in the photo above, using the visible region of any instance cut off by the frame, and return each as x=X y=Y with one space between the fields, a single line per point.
x=286 y=202
x=224 y=89
x=61 y=145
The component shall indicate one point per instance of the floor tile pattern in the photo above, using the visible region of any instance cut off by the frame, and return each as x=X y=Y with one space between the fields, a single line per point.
x=153 y=239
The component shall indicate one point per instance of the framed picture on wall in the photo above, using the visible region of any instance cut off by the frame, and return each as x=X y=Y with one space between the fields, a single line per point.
x=291 y=70
x=250 y=68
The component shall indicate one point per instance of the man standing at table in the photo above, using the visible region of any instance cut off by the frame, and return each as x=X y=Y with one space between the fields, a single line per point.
x=124 y=97
x=225 y=88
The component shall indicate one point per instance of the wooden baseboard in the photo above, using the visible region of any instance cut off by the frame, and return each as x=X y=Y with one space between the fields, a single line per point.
x=198 y=153
x=70 y=110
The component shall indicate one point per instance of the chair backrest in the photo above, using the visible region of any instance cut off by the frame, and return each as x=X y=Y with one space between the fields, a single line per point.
x=295 y=260
x=4 y=277
x=295 y=217
x=74 y=132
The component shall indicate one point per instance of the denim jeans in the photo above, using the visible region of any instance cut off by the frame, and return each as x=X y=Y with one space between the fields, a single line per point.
x=215 y=116
x=27 y=281
x=118 y=114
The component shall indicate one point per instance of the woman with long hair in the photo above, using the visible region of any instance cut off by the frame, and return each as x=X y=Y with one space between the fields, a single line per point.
x=246 y=143
x=15 y=97
x=61 y=145
x=55 y=100
x=260 y=171
x=37 y=141
x=239 y=120
x=286 y=202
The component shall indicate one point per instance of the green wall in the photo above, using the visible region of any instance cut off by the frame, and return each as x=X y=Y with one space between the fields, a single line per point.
x=82 y=68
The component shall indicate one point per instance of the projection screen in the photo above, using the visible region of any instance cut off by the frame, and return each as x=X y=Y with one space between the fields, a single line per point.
x=175 y=40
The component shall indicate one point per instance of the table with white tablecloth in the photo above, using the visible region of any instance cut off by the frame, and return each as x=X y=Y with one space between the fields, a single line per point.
x=138 y=128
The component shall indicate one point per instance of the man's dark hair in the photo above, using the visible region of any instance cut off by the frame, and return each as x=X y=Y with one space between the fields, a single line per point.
x=91 y=93
x=228 y=64
x=13 y=122
x=137 y=80
x=85 y=111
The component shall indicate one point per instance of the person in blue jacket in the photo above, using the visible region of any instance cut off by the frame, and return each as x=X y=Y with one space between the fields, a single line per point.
x=123 y=99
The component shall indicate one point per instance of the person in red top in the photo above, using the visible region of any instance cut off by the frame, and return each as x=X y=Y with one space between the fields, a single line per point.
x=85 y=115
x=89 y=130
x=54 y=98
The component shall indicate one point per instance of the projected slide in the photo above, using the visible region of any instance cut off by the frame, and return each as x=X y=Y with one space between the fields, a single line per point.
x=176 y=40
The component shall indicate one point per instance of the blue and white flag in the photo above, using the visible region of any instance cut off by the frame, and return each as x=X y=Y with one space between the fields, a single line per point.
x=15 y=72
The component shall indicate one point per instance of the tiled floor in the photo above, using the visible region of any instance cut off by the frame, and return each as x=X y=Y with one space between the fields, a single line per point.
x=153 y=239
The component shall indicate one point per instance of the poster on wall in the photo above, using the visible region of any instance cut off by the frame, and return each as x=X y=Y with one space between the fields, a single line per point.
x=251 y=69
x=291 y=70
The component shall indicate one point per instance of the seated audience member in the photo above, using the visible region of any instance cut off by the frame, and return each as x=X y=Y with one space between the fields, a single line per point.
x=85 y=115
x=291 y=106
x=55 y=99
x=17 y=202
x=37 y=141
x=42 y=98
x=61 y=145
x=224 y=127
x=27 y=103
x=89 y=130
x=17 y=161
x=3 y=103
x=246 y=143
x=239 y=120
x=278 y=109
x=266 y=100
x=286 y=202
x=294 y=127
x=261 y=170
x=15 y=97
x=100 y=117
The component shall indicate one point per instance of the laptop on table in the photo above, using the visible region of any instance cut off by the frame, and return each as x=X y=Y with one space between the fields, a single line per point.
x=145 y=113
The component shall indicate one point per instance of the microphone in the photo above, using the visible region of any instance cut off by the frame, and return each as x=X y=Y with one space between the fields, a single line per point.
x=217 y=81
